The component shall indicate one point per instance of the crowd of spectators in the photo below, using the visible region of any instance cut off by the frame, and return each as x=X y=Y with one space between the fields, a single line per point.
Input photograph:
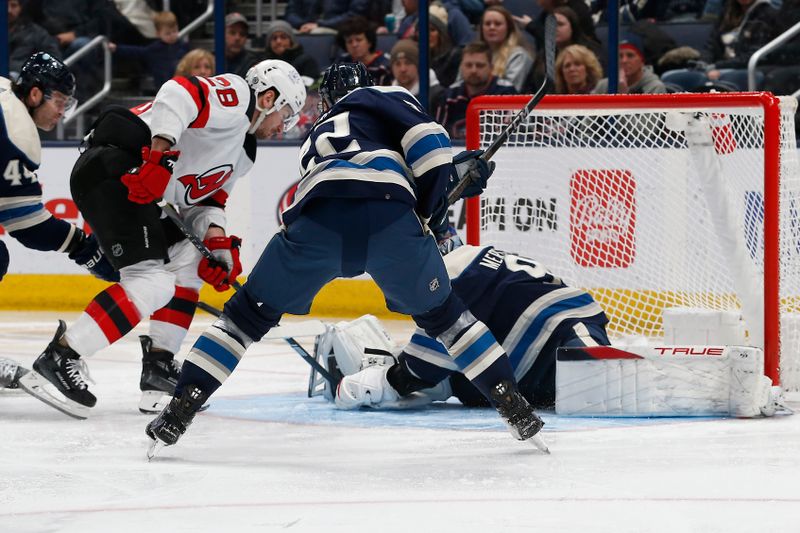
x=476 y=46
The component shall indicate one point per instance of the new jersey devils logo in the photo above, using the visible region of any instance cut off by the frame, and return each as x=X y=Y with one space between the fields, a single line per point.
x=205 y=184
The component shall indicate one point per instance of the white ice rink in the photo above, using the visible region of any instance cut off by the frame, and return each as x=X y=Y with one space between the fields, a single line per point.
x=266 y=458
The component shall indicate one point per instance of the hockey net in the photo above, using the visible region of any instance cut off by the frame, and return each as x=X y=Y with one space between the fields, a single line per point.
x=607 y=193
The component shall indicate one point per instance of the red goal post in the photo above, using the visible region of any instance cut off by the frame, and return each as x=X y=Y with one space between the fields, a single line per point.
x=604 y=161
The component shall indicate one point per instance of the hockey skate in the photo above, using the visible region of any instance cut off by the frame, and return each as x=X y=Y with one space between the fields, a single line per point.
x=160 y=374
x=522 y=421
x=175 y=419
x=62 y=367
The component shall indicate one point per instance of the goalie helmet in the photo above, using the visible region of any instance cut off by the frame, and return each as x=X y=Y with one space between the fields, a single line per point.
x=340 y=79
x=49 y=74
x=284 y=79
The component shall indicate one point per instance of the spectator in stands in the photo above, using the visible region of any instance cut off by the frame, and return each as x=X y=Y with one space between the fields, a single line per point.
x=160 y=57
x=238 y=59
x=444 y=57
x=477 y=80
x=357 y=37
x=635 y=76
x=569 y=32
x=73 y=22
x=536 y=26
x=323 y=16
x=281 y=45
x=197 y=62
x=25 y=38
x=511 y=59
x=656 y=10
x=458 y=26
x=577 y=70
x=405 y=70
x=745 y=26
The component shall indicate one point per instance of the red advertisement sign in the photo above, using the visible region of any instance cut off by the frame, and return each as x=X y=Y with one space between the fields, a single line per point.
x=602 y=216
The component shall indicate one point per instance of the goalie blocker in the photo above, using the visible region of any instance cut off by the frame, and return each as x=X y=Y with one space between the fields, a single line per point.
x=677 y=380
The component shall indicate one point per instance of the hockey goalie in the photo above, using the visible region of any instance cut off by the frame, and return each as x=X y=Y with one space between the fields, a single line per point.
x=556 y=340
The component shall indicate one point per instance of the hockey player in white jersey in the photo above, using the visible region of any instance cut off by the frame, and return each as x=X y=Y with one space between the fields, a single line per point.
x=39 y=97
x=375 y=168
x=530 y=311
x=201 y=138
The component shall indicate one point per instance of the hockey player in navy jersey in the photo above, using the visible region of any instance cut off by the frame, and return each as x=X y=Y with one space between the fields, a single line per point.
x=188 y=146
x=530 y=312
x=38 y=98
x=374 y=172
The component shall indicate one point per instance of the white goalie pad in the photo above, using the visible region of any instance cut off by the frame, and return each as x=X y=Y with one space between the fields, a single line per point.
x=347 y=347
x=676 y=380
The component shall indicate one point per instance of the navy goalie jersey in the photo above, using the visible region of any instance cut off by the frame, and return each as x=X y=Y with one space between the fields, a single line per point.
x=375 y=143
x=523 y=305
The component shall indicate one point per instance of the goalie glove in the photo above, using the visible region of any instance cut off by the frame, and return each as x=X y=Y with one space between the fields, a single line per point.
x=147 y=182
x=469 y=164
x=221 y=271
x=86 y=252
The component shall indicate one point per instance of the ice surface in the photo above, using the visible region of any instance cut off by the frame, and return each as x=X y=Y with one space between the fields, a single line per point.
x=266 y=458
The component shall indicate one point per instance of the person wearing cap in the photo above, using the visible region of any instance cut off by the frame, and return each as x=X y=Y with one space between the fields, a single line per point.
x=281 y=45
x=238 y=59
x=405 y=69
x=445 y=58
x=635 y=76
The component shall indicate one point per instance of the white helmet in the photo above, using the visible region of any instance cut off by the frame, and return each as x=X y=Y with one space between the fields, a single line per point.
x=281 y=76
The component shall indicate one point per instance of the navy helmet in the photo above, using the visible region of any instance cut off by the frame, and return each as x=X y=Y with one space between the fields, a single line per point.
x=48 y=73
x=342 y=78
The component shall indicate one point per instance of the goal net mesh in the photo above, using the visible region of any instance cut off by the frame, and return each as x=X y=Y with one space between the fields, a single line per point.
x=609 y=198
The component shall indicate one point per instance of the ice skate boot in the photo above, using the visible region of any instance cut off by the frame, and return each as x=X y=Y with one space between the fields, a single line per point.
x=177 y=416
x=10 y=372
x=160 y=374
x=63 y=367
x=522 y=421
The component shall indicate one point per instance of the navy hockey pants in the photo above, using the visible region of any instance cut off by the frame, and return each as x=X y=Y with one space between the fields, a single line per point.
x=339 y=237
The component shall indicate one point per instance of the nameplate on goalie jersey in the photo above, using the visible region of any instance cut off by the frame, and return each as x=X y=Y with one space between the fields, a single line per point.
x=678 y=380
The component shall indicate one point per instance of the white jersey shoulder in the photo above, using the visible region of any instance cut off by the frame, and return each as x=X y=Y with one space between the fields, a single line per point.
x=19 y=125
x=459 y=259
x=208 y=119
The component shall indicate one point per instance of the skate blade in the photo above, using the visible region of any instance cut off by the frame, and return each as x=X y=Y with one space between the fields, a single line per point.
x=38 y=387
x=538 y=441
x=154 y=448
x=153 y=402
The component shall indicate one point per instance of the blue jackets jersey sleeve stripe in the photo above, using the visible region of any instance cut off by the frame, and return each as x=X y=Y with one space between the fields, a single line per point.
x=425 y=146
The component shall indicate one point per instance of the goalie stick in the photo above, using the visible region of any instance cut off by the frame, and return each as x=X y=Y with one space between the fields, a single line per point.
x=547 y=85
x=195 y=240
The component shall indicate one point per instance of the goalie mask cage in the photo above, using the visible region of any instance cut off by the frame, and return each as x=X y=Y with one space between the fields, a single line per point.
x=606 y=192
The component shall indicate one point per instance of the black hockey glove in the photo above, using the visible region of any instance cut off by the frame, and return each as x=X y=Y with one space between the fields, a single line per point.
x=469 y=163
x=85 y=251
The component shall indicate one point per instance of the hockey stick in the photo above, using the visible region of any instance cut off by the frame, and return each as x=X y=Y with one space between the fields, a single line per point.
x=547 y=85
x=195 y=240
x=210 y=309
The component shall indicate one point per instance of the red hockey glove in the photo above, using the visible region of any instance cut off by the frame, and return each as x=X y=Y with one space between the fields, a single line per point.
x=148 y=182
x=221 y=271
